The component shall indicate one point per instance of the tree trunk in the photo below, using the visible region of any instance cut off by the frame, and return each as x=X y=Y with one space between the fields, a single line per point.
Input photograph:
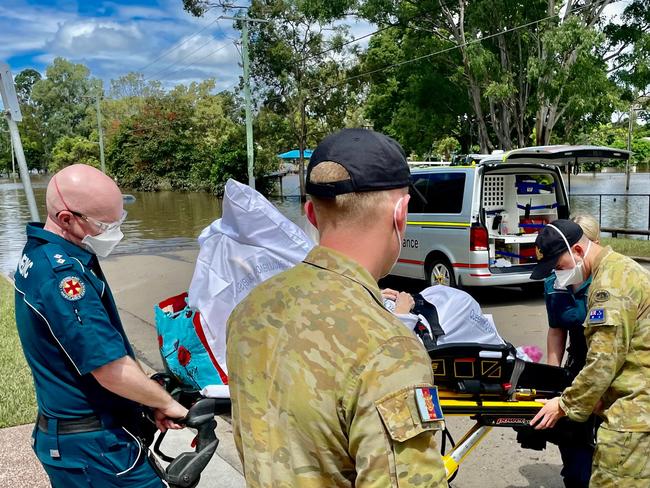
x=475 y=95
x=302 y=139
x=456 y=25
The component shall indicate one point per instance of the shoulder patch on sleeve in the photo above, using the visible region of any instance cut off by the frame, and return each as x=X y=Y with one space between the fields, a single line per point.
x=601 y=295
x=72 y=288
x=596 y=316
x=400 y=414
x=428 y=404
x=57 y=257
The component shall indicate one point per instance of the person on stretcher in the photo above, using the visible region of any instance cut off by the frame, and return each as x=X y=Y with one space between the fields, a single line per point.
x=457 y=318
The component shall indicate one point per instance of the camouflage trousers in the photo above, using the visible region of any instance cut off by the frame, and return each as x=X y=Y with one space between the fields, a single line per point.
x=622 y=459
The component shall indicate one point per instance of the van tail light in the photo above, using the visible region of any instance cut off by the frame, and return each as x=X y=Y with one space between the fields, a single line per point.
x=478 y=238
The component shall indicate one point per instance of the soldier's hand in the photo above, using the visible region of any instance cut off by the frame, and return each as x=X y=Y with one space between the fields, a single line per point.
x=404 y=303
x=389 y=294
x=548 y=415
x=166 y=418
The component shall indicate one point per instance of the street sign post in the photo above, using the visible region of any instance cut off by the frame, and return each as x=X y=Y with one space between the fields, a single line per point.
x=12 y=112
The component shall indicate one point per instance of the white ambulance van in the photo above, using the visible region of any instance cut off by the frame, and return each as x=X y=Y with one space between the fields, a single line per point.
x=476 y=225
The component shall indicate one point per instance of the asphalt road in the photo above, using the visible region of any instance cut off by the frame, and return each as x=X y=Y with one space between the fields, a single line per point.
x=140 y=281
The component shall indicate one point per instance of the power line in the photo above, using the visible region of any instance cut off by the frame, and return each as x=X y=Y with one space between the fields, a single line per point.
x=442 y=51
x=194 y=63
x=351 y=41
x=178 y=45
x=166 y=69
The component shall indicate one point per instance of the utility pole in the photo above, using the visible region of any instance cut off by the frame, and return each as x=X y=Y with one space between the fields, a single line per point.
x=630 y=126
x=247 y=98
x=101 y=132
x=13 y=157
x=247 y=94
x=12 y=112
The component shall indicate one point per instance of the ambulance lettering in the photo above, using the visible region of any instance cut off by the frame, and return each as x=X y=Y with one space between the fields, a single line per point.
x=410 y=243
x=24 y=266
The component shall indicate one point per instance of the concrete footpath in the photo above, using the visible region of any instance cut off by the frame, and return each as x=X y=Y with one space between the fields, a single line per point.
x=140 y=281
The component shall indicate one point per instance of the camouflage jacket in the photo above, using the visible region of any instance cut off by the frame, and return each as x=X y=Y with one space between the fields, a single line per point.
x=323 y=382
x=618 y=336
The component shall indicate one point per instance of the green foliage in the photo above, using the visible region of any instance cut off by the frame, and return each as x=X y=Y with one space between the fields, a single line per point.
x=18 y=405
x=186 y=139
x=615 y=135
x=446 y=147
x=493 y=82
x=63 y=101
x=73 y=150
x=5 y=147
x=400 y=101
x=24 y=82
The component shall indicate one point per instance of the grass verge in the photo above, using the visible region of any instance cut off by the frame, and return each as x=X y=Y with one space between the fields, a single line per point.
x=18 y=405
x=629 y=247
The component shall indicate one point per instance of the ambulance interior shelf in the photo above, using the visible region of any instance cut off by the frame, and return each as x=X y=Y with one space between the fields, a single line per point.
x=516 y=207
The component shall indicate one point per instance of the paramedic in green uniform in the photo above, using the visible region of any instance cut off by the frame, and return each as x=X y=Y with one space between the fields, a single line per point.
x=88 y=386
x=615 y=380
x=329 y=388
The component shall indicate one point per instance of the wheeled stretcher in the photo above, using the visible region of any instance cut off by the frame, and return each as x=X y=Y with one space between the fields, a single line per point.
x=489 y=384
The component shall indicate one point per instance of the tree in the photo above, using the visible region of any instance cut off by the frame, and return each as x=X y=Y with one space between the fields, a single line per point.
x=446 y=147
x=5 y=147
x=524 y=66
x=133 y=85
x=297 y=61
x=73 y=150
x=400 y=101
x=24 y=82
x=64 y=102
x=155 y=149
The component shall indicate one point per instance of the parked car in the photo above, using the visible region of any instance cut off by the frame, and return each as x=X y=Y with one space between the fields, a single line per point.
x=476 y=225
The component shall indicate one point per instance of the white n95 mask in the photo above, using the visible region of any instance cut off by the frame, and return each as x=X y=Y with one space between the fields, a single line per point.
x=103 y=244
x=572 y=276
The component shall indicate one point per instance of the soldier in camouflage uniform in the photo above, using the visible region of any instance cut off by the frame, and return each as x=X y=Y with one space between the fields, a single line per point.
x=328 y=388
x=616 y=378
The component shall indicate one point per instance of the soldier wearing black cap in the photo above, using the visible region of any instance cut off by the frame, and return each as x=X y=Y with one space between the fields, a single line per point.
x=616 y=377
x=328 y=387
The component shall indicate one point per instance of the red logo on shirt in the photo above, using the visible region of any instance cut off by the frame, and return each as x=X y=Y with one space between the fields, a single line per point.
x=72 y=288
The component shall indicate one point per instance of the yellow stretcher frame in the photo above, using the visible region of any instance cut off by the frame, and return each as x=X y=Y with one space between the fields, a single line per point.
x=489 y=413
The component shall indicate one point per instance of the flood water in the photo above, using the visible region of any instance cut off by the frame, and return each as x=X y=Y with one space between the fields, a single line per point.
x=166 y=220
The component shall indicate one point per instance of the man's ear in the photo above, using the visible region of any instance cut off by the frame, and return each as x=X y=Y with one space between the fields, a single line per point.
x=311 y=214
x=64 y=219
x=402 y=211
x=579 y=250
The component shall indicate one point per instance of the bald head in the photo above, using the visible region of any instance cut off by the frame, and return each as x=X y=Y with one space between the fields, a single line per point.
x=76 y=194
x=86 y=190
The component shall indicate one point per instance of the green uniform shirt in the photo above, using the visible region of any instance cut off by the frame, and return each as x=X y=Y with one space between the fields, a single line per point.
x=618 y=337
x=323 y=380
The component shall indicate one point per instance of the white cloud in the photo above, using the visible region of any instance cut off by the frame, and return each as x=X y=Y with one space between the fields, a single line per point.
x=128 y=37
x=93 y=37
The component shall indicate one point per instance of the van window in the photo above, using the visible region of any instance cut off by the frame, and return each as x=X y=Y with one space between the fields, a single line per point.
x=442 y=192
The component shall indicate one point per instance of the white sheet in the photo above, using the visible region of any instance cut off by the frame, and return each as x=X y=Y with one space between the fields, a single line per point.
x=250 y=243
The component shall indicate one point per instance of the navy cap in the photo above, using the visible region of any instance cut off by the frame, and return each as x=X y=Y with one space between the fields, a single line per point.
x=374 y=161
x=551 y=245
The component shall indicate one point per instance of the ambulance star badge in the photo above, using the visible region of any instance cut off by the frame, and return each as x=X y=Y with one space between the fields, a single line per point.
x=72 y=288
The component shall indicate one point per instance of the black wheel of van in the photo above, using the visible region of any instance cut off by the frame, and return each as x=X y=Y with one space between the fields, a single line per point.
x=440 y=272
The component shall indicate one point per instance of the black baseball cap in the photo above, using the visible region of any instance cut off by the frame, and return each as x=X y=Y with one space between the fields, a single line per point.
x=375 y=162
x=551 y=245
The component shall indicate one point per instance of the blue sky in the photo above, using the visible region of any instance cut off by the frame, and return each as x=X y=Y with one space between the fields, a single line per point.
x=114 y=37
